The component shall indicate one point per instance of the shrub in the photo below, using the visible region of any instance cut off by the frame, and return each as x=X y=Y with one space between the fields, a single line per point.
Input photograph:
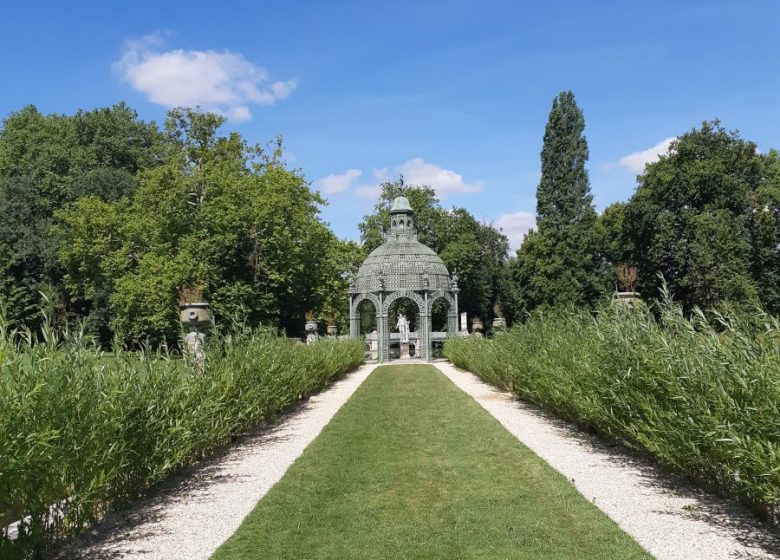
x=83 y=431
x=700 y=395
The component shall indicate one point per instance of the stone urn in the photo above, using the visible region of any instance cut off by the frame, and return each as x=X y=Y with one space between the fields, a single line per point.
x=195 y=313
x=311 y=331
x=333 y=330
x=628 y=300
x=477 y=326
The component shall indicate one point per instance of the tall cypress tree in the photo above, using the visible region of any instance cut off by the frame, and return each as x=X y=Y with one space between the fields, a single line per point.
x=563 y=198
x=559 y=263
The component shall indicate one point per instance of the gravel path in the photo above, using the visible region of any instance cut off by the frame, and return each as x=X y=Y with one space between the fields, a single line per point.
x=202 y=507
x=192 y=517
x=661 y=512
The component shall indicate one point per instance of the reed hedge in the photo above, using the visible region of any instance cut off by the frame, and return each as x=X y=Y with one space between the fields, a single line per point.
x=84 y=431
x=700 y=394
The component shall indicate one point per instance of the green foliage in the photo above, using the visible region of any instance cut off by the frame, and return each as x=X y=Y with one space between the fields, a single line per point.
x=24 y=258
x=476 y=250
x=560 y=263
x=47 y=162
x=764 y=227
x=705 y=217
x=699 y=396
x=609 y=229
x=87 y=431
x=215 y=212
x=57 y=151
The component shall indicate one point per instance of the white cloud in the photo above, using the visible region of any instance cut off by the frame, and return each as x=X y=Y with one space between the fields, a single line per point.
x=369 y=191
x=219 y=81
x=382 y=174
x=515 y=226
x=636 y=161
x=335 y=184
x=417 y=171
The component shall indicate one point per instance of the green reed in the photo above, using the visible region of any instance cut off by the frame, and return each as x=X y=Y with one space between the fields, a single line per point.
x=84 y=431
x=699 y=394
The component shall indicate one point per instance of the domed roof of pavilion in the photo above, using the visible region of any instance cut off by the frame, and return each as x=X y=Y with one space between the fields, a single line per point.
x=402 y=261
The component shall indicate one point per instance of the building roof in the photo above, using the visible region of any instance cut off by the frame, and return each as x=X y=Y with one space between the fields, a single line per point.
x=402 y=261
x=400 y=204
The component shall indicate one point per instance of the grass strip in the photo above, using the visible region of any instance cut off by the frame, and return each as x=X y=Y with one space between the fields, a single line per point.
x=412 y=467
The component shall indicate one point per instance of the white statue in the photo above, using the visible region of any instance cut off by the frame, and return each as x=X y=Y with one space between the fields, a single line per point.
x=403 y=327
x=196 y=341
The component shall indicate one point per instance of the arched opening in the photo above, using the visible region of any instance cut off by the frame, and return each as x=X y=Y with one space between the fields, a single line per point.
x=442 y=324
x=363 y=323
x=366 y=313
x=440 y=309
x=409 y=309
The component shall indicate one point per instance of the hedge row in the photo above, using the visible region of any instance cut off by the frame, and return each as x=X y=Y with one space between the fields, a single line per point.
x=701 y=396
x=87 y=431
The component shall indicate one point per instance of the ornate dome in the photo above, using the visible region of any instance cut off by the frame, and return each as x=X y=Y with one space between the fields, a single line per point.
x=402 y=262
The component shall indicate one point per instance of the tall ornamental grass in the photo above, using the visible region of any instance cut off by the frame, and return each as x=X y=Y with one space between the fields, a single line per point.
x=84 y=431
x=700 y=395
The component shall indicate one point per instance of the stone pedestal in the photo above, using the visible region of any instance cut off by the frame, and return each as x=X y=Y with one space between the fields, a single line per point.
x=375 y=346
x=196 y=316
x=464 y=325
x=405 y=351
x=195 y=342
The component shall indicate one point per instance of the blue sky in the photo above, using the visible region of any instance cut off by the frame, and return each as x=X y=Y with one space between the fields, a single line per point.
x=455 y=93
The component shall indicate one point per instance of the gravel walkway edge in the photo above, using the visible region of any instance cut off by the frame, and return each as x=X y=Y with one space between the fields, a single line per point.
x=662 y=513
x=191 y=519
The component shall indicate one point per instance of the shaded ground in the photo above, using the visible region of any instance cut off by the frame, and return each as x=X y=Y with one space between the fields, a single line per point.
x=412 y=467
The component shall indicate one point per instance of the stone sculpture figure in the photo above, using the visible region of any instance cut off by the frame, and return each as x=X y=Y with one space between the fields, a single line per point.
x=195 y=342
x=403 y=327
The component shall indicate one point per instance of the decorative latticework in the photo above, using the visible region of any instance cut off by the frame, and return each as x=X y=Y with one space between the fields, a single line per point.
x=402 y=267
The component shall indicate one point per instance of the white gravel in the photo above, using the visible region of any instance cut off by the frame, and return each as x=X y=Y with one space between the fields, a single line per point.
x=662 y=513
x=189 y=520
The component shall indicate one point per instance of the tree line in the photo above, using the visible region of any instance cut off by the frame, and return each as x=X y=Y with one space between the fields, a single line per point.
x=111 y=218
x=704 y=220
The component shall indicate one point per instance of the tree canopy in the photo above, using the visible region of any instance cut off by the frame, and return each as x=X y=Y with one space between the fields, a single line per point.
x=112 y=217
x=116 y=216
x=560 y=263
x=705 y=218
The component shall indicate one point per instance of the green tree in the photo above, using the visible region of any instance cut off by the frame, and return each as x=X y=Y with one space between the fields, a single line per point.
x=560 y=262
x=764 y=226
x=690 y=218
x=218 y=214
x=23 y=250
x=613 y=247
x=48 y=162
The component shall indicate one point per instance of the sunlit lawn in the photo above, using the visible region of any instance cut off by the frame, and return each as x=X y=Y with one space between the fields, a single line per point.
x=411 y=467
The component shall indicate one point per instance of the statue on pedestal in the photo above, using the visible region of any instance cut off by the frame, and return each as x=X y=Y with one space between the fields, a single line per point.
x=403 y=327
x=403 y=331
x=195 y=342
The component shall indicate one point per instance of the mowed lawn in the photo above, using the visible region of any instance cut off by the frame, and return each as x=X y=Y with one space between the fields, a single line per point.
x=412 y=467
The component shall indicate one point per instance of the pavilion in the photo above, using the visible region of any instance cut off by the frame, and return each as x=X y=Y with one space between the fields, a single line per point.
x=402 y=267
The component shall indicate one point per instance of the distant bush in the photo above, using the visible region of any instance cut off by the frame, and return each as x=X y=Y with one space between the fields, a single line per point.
x=701 y=396
x=83 y=431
